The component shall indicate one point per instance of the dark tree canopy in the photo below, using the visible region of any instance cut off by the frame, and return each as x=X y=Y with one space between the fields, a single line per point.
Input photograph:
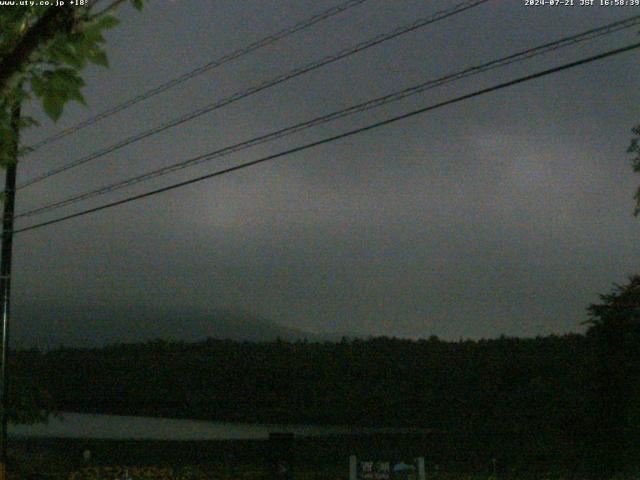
x=619 y=309
x=634 y=148
x=42 y=51
x=614 y=336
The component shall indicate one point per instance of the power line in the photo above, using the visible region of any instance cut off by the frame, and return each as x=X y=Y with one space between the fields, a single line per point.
x=263 y=42
x=361 y=107
x=335 y=137
x=461 y=7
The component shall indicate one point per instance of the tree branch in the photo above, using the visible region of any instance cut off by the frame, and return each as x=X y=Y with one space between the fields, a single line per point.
x=55 y=20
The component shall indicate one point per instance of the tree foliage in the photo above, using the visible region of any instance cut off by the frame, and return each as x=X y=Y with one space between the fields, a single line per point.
x=619 y=310
x=573 y=396
x=504 y=384
x=507 y=397
x=43 y=49
x=634 y=148
x=29 y=400
x=614 y=336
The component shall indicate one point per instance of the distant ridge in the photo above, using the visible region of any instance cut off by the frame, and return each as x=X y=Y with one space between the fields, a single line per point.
x=47 y=328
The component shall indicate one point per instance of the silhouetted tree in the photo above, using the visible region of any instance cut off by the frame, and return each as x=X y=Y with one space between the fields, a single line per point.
x=634 y=148
x=614 y=334
x=517 y=399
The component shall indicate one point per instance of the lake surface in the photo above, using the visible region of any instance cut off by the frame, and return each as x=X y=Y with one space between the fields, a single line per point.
x=82 y=425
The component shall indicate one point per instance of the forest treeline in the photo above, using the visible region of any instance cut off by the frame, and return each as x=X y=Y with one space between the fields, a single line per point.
x=551 y=391
x=504 y=383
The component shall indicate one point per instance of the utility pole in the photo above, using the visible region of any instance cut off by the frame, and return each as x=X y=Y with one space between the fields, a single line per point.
x=5 y=284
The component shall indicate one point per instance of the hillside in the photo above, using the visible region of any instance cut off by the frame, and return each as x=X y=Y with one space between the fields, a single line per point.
x=49 y=327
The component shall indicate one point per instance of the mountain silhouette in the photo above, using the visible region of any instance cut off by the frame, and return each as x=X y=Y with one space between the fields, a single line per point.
x=48 y=327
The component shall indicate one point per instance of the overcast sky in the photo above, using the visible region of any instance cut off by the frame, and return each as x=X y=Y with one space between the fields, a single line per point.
x=505 y=214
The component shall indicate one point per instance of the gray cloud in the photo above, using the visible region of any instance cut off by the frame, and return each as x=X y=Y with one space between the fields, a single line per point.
x=508 y=213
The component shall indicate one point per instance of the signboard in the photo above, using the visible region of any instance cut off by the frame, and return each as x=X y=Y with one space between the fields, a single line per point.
x=386 y=469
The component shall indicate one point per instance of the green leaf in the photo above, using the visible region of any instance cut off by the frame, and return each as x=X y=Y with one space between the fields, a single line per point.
x=53 y=106
x=99 y=57
x=77 y=96
x=106 y=22
x=137 y=4
x=95 y=37
x=66 y=78
x=66 y=53
x=38 y=86
x=92 y=34
x=7 y=138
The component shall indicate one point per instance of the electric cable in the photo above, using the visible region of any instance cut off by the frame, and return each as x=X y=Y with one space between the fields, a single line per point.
x=354 y=109
x=334 y=138
x=459 y=8
x=263 y=42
